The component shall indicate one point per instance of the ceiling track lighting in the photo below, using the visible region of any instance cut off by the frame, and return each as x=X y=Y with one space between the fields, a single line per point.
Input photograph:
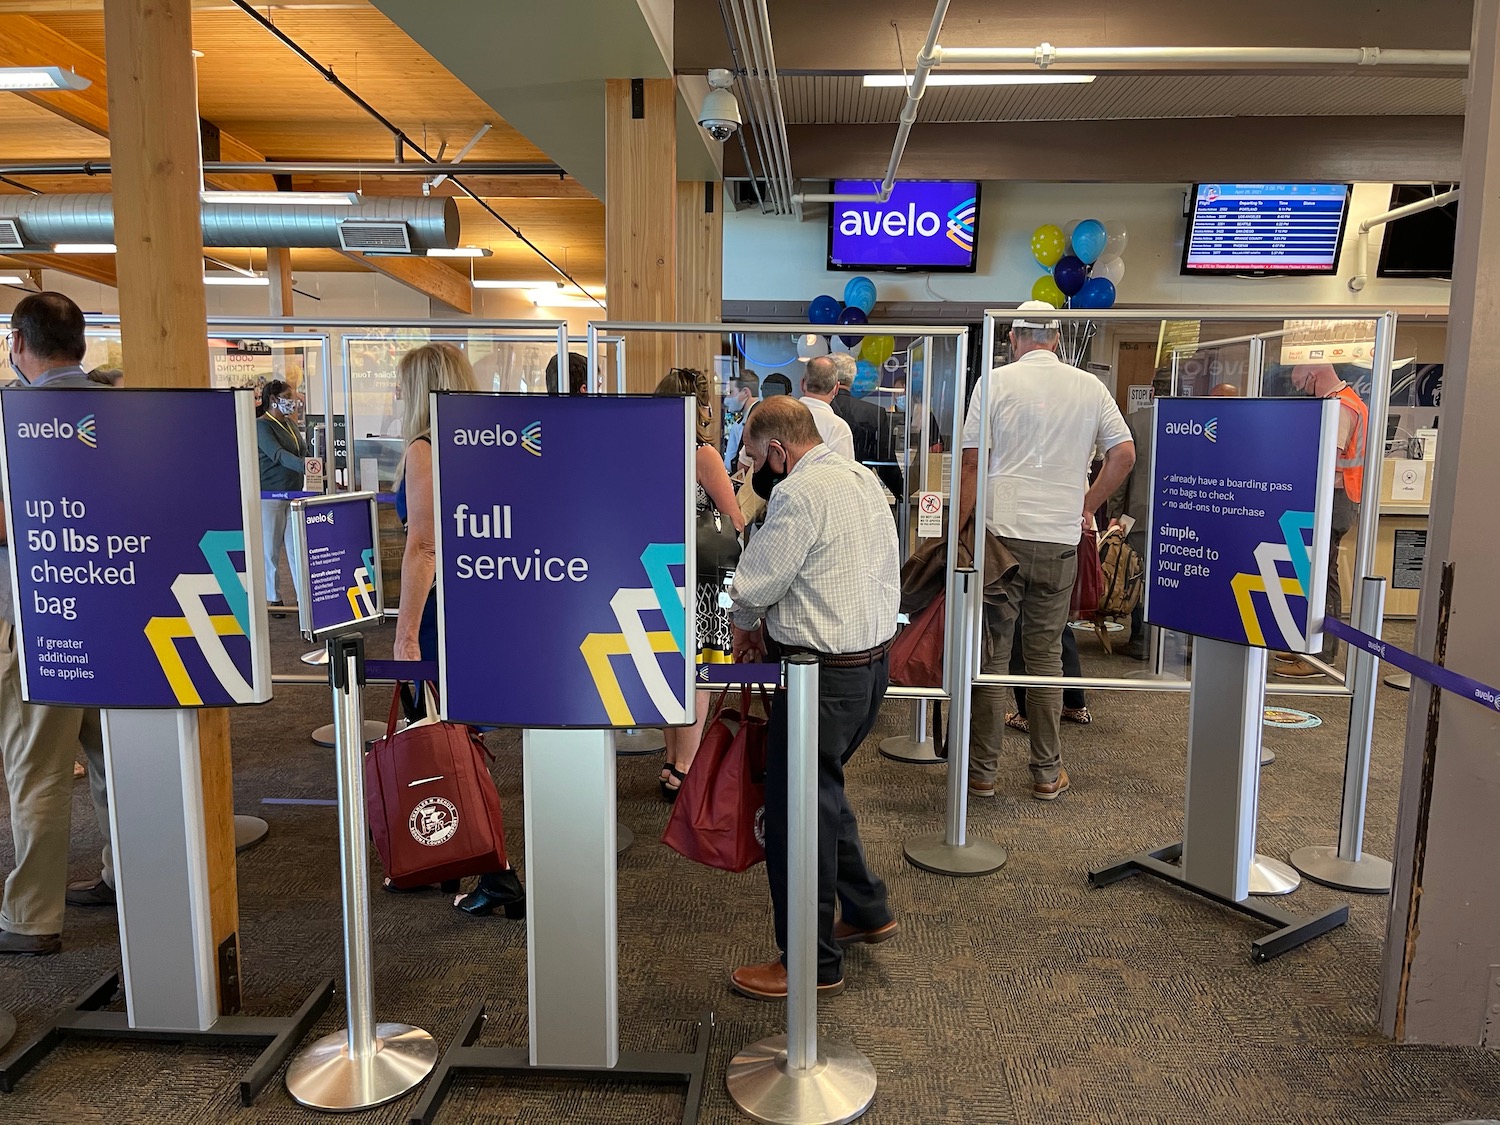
x=997 y=78
x=41 y=78
x=281 y=198
x=84 y=248
x=460 y=252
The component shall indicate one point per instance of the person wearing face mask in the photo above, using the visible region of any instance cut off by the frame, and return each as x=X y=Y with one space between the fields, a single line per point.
x=823 y=574
x=38 y=744
x=283 y=462
x=744 y=391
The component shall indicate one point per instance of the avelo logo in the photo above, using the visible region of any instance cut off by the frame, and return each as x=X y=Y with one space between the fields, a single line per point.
x=528 y=438
x=1209 y=429
x=961 y=223
x=83 y=430
x=895 y=224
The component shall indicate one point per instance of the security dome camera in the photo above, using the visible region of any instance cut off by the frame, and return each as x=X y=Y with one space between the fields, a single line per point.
x=720 y=113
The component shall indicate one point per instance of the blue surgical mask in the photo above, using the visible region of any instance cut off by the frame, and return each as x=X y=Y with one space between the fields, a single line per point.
x=900 y=402
x=21 y=375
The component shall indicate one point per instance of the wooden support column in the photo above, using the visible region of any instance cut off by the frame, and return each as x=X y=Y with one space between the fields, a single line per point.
x=700 y=274
x=163 y=315
x=279 y=270
x=640 y=212
x=1441 y=980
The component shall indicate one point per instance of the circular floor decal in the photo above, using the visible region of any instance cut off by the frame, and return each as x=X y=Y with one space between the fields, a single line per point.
x=1088 y=626
x=1292 y=718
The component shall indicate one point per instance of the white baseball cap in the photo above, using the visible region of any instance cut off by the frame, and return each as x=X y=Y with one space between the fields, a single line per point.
x=1034 y=322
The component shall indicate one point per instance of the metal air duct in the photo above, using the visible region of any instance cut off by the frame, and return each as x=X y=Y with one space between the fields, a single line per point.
x=45 y=220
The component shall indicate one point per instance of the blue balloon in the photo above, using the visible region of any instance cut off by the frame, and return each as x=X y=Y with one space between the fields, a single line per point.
x=1097 y=293
x=1089 y=239
x=823 y=310
x=1070 y=274
x=866 y=378
x=853 y=315
x=860 y=293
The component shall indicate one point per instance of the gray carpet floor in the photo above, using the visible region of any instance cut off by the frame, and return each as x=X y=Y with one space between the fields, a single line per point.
x=1020 y=998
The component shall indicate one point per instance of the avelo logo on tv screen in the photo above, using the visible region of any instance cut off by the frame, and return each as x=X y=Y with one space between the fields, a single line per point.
x=925 y=225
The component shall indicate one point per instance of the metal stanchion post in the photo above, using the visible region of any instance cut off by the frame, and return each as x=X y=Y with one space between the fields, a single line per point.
x=639 y=741
x=796 y=1079
x=918 y=749
x=951 y=852
x=367 y=1064
x=1347 y=866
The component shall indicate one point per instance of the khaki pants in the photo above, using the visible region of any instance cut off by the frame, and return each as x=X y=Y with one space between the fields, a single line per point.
x=39 y=745
x=1039 y=592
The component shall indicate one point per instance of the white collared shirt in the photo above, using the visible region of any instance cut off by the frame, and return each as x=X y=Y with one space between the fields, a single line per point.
x=834 y=431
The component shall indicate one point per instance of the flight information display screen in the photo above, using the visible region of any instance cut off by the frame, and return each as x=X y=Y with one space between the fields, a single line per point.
x=1265 y=228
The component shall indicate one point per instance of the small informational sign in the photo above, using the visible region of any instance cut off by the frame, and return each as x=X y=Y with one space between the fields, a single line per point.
x=563 y=600
x=1241 y=500
x=337 y=538
x=929 y=515
x=1409 y=482
x=1408 y=557
x=312 y=469
x=1140 y=397
x=136 y=563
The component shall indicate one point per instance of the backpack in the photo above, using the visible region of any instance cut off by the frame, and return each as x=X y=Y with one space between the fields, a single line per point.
x=1124 y=580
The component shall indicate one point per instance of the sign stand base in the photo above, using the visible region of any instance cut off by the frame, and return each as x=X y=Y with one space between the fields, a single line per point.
x=248 y=831
x=85 y=1019
x=1291 y=930
x=765 y=1088
x=1369 y=874
x=634 y=742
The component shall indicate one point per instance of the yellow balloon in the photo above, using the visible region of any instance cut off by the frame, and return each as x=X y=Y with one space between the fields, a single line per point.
x=878 y=349
x=1048 y=244
x=1045 y=289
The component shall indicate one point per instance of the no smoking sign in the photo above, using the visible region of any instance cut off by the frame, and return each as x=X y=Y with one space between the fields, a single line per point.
x=929 y=515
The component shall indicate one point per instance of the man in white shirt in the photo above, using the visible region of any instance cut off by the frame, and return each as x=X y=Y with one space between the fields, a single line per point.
x=820 y=382
x=1045 y=419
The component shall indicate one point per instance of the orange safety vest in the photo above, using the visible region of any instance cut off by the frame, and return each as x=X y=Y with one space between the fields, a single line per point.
x=1351 y=460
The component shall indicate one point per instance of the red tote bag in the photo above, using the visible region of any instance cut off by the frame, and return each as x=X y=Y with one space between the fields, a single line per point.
x=917 y=651
x=1088 y=586
x=718 y=819
x=433 y=810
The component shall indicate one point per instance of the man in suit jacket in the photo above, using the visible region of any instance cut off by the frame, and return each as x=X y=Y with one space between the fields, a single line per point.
x=873 y=442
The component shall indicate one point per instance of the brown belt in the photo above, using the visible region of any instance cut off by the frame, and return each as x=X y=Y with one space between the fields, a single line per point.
x=838 y=659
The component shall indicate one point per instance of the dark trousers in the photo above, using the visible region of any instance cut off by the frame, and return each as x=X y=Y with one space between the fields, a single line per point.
x=1074 y=698
x=848 y=704
x=1345 y=517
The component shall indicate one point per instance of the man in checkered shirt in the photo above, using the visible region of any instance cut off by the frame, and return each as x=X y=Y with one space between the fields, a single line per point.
x=823 y=574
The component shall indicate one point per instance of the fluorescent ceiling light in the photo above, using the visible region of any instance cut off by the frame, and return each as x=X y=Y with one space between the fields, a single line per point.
x=296 y=198
x=551 y=297
x=1017 y=78
x=488 y=283
x=459 y=252
x=11 y=279
x=234 y=279
x=41 y=78
x=84 y=248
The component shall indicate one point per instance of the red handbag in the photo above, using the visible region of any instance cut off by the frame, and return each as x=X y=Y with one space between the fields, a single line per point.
x=917 y=651
x=1088 y=586
x=433 y=810
x=718 y=819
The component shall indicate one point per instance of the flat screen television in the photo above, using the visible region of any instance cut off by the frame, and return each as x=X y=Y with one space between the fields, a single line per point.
x=927 y=226
x=1419 y=245
x=1265 y=230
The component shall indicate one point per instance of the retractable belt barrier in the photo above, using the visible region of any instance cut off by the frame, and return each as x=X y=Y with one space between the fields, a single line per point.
x=1435 y=674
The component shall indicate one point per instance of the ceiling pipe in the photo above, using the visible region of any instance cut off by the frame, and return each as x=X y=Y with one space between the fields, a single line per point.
x=762 y=16
x=1362 y=275
x=288 y=168
x=739 y=70
x=1045 y=55
x=760 y=100
x=926 y=60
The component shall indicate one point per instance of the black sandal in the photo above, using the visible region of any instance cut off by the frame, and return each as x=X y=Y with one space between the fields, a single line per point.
x=498 y=890
x=447 y=886
x=668 y=791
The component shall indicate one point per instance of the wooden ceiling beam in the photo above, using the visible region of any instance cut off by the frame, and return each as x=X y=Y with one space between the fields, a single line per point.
x=28 y=42
x=92 y=267
x=424 y=275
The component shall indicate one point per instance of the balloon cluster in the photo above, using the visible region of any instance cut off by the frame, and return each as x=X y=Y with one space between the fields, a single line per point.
x=769 y=350
x=1084 y=264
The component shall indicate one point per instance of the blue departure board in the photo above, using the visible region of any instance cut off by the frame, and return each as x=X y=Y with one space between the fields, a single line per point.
x=1265 y=228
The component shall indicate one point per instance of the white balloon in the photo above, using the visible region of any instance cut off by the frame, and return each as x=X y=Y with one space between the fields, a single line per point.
x=1112 y=268
x=839 y=344
x=811 y=346
x=1116 y=238
x=1067 y=230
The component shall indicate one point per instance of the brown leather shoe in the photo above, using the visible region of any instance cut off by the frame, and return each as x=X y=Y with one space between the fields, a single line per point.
x=768 y=982
x=1049 y=790
x=1296 y=669
x=32 y=945
x=981 y=788
x=846 y=935
x=90 y=893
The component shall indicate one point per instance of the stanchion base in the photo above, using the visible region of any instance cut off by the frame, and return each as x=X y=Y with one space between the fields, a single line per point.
x=1401 y=681
x=317 y=657
x=323 y=736
x=323 y=1076
x=909 y=750
x=839 y=1087
x=1367 y=875
x=624 y=837
x=1291 y=930
x=248 y=831
x=7 y=1027
x=84 y=1019
x=935 y=854
x=1267 y=756
x=1270 y=877
x=630 y=743
x=687 y=1068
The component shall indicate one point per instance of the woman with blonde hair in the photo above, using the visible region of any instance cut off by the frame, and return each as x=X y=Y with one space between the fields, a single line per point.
x=714 y=634
x=433 y=367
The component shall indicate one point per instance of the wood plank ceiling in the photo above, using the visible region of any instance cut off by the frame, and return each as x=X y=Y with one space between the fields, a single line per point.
x=257 y=91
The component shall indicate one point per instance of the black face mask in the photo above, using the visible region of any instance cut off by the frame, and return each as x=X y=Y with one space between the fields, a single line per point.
x=764 y=479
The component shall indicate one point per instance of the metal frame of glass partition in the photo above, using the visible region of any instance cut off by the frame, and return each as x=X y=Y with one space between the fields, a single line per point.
x=601 y=331
x=1383 y=353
